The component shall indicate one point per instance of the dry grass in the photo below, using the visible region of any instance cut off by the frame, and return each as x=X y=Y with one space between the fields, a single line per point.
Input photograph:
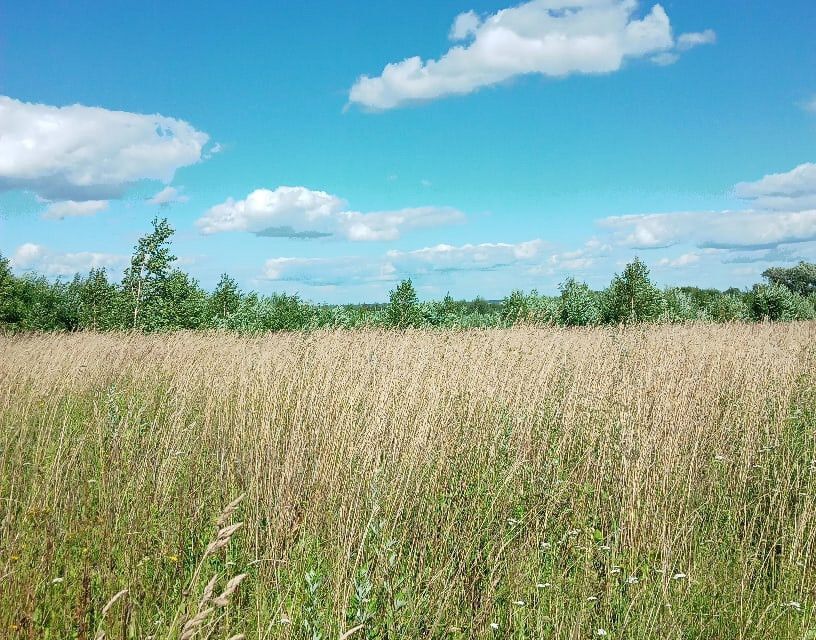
x=522 y=483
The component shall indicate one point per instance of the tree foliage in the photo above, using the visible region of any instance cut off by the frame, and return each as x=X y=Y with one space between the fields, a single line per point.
x=631 y=297
x=403 y=306
x=153 y=295
x=800 y=279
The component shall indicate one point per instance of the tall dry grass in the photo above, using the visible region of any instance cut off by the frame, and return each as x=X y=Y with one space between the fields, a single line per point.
x=525 y=483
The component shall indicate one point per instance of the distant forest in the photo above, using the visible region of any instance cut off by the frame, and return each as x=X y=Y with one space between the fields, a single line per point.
x=154 y=295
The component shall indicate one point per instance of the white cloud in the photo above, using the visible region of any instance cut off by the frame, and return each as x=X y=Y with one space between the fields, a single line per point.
x=36 y=257
x=467 y=257
x=809 y=105
x=686 y=41
x=168 y=195
x=577 y=260
x=400 y=264
x=89 y=153
x=783 y=211
x=665 y=59
x=324 y=272
x=298 y=212
x=728 y=229
x=553 y=38
x=71 y=208
x=684 y=260
x=464 y=26
x=790 y=191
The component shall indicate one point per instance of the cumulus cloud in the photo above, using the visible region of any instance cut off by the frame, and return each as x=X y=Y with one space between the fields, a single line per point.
x=724 y=229
x=168 y=195
x=467 y=257
x=790 y=191
x=298 y=212
x=577 y=260
x=72 y=208
x=84 y=153
x=38 y=258
x=553 y=38
x=782 y=211
x=394 y=265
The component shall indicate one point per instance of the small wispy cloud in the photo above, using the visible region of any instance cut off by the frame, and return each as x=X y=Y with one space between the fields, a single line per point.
x=809 y=104
x=167 y=196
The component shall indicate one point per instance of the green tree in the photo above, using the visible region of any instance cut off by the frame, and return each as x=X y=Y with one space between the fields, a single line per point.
x=579 y=305
x=403 y=307
x=94 y=299
x=800 y=279
x=183 y=304
x=778 y=303
x=631 y=296
x=729 y=306
x=515 y=308
x=8 y=312
x=680 y=306
x=145 y=278
x=40 y=305
x=225 y=300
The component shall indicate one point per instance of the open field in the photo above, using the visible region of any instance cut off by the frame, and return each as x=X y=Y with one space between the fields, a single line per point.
x=655 y=482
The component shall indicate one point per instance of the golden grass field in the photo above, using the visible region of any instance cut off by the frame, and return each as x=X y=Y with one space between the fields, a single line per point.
x=653 y=482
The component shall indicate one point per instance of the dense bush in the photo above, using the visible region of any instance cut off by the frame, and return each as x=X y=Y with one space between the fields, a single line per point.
x=579 y=305
x=778 y=303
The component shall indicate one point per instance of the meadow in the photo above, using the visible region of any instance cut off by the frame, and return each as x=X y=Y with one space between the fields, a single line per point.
x=654 y=481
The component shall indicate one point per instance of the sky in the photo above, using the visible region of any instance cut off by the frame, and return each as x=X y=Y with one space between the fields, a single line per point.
x=332 y=149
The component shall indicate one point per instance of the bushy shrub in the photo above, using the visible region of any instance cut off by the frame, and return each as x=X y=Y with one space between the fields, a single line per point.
x=680 y=307
x=729 y=307
x=278 y=312
x=515 y=308
x=778 y=303
x=579 y=306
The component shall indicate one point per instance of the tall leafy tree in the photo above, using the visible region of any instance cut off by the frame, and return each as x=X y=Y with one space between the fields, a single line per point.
x=183 y=303
x=145 y=279
x=225 y=300
x=95 y=300
x=800 y=279
x=403 y=306
x=631 y=296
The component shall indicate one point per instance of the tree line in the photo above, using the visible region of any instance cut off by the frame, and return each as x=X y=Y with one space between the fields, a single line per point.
x=155 y=295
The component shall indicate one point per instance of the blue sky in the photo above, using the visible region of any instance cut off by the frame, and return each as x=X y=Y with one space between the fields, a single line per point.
x=526 y=143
